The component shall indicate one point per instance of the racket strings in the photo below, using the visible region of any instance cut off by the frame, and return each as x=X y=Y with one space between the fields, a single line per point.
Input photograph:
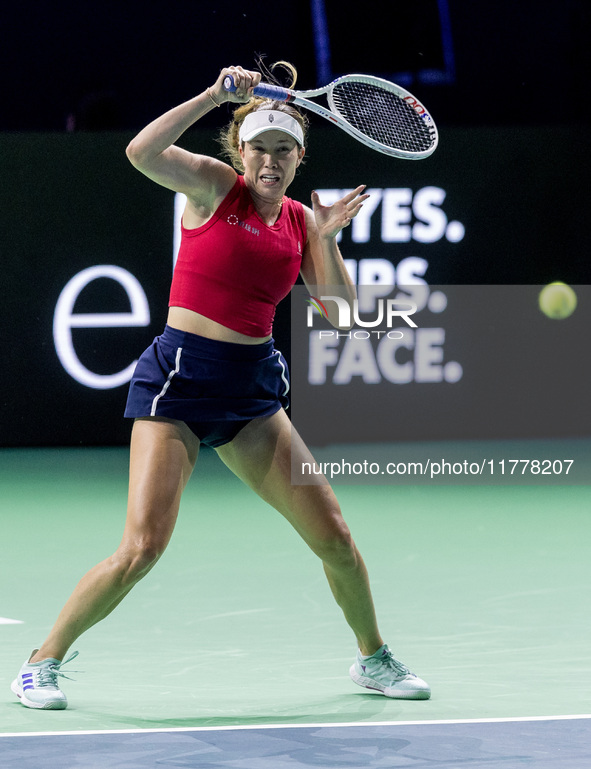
x=382 y=116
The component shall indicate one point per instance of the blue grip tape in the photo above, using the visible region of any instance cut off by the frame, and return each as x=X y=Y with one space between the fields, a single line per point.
x=265 y=90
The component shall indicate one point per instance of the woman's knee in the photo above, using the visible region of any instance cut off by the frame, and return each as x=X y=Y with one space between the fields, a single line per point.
x=337 y=549
x=132 y=561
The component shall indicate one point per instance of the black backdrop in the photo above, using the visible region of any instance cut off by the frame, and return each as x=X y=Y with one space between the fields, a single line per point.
x=104 y=64
x=73 y=202
x=503 y=201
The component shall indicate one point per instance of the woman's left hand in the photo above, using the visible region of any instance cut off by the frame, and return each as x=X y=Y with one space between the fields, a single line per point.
x=332 y=219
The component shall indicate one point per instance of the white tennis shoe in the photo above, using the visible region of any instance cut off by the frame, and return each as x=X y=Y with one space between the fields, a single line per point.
x=36 y=685
x=384 y=673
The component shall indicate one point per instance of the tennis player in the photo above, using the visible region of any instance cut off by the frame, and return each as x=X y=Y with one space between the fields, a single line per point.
x=214 y=377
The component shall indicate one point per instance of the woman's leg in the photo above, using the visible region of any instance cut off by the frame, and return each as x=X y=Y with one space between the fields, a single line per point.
x=163 y=454
x=261 y=455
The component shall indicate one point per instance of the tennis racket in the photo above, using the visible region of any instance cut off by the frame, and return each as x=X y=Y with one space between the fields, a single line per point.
x=380 y=114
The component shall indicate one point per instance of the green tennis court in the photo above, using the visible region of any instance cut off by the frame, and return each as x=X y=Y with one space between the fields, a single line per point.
x=483 y=591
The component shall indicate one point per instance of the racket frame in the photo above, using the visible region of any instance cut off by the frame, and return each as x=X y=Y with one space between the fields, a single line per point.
x=301 y=99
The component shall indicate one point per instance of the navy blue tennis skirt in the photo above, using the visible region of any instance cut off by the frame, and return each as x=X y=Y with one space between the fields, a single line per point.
x=215 y=387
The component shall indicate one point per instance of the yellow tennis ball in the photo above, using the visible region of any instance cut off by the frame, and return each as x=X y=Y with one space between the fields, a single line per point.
x=557 y=300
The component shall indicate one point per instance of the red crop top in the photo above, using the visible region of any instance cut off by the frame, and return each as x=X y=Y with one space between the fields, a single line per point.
x=235 y=269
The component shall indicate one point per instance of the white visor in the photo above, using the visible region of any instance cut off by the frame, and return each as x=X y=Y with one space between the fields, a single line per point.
x=258 y=122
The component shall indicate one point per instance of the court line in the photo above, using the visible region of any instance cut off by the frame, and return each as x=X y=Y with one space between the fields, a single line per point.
x=234 y=613
x=245 y=727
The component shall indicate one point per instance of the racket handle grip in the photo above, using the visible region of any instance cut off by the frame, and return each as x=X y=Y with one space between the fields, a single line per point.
x=265 y=90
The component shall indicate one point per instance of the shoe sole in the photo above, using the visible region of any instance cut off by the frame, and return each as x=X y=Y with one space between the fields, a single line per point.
x=388 y=691
x=55 y=705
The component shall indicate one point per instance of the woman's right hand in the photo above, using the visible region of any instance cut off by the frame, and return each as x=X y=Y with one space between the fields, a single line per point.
x=244 y=80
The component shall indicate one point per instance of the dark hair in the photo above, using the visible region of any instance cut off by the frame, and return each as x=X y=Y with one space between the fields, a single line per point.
x=229 y=136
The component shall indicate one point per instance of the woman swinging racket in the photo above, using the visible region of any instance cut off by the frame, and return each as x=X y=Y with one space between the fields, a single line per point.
x=213 y=377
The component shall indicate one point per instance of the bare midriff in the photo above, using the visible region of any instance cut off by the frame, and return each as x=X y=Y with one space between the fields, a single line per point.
x=194 y=323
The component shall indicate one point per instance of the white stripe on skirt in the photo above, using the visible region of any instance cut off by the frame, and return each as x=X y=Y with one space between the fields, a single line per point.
x=283 y=372
x=176 y=370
